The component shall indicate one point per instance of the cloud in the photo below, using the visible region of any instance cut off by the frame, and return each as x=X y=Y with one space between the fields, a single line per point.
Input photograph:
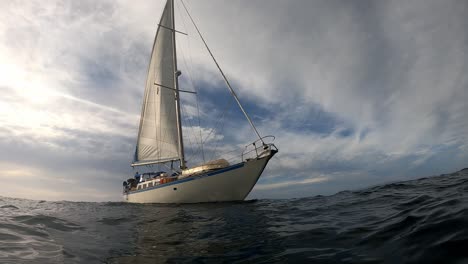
x=355 y=92
x=330 y=68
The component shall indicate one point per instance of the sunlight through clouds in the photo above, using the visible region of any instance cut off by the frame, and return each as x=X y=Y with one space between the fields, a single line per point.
x=356 y=92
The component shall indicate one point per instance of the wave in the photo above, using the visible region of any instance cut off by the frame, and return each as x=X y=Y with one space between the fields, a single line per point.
x=417 y=221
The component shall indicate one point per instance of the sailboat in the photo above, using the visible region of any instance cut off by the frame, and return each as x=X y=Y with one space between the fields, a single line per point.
x=160 y=139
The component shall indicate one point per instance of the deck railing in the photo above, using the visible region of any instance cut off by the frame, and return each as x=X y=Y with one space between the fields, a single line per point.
x=258 y=147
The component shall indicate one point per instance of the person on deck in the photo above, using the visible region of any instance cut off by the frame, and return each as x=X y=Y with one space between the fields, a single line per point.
x=137 y=176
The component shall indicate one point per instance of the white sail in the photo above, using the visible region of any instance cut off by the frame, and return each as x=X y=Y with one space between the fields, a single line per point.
x=158 y=133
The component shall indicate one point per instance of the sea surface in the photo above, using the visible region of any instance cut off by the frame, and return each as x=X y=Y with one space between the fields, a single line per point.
x=417 y=221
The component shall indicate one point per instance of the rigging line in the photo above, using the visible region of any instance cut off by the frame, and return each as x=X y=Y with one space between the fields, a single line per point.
x=224 y=76
x=221 y=118
x=194 y=143
x=199 y=142
x=192 y=82
x=198 y=109
x=200 y=130
x=217 y=126
x=183 y=33
x=180 y=17
x=230 y=151
x=189 y=120
x=221 y=130
x=189 y=141
x=186 y=135
x=229 y=155
x=179 y=90
x=195 y=151
x=169 y=168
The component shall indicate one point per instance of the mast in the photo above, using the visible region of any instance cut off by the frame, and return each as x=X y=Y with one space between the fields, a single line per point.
x=176 y=92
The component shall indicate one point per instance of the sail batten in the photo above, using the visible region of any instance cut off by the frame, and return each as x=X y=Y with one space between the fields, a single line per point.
x=158 y=133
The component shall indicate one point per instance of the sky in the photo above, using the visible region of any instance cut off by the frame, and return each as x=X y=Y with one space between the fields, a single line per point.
x=357 y=93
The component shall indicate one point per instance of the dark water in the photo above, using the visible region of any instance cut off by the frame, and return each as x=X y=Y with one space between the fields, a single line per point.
x=419 y=221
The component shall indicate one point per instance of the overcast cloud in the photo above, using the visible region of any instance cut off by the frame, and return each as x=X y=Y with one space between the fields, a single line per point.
x=357 y=93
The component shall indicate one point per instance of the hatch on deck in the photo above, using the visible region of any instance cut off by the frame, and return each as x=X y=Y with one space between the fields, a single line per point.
x=210 y=165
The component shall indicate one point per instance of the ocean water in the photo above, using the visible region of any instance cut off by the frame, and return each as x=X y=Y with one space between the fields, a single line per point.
x=418 y=221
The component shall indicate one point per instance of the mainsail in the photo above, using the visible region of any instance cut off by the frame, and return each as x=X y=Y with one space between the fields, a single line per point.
x=158 y=138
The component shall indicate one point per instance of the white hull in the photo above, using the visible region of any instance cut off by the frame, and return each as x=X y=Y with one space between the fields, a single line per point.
x=233 y=183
